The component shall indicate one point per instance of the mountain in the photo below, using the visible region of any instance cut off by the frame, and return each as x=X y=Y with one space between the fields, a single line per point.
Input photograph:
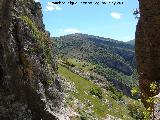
x=112 y=59
x=35 y=85
x=101 y=77
x=131 y=42
x=92 y=77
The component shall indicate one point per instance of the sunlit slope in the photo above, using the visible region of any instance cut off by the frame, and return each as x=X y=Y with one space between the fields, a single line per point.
x=112 y=58
x=95 y=106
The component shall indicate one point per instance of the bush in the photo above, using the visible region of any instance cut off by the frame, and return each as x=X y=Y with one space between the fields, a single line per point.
x=41 y=39
x=69 y=64
x=96 y=91
x=136 y=111
x=83 y=114
x=134 y=91
x=117 y=95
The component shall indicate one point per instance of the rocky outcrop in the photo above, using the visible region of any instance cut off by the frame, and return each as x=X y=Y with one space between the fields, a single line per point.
x=147 y=47
x=29 y=87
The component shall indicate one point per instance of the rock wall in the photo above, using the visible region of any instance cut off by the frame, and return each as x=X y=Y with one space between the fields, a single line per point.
x=29 y=87
x=147 y=47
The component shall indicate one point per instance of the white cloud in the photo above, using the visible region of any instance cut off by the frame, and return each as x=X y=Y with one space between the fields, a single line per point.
x=71 y=31
x=116 y=15
x=50 y=7
x=50 y=4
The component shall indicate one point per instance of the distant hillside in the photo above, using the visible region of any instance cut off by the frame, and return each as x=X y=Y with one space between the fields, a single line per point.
x=113 y=59
x=132 y=42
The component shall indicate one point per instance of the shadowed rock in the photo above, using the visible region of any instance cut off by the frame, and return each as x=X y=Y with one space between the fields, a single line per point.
x=147 y=47
x=28 y=90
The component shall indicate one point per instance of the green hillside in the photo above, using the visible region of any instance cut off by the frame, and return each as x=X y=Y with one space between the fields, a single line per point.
x=131 y=42
x=95 y=103
x=106 y=57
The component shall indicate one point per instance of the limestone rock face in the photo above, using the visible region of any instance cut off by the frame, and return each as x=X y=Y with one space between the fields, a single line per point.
x=148 y=46
x=29 y=88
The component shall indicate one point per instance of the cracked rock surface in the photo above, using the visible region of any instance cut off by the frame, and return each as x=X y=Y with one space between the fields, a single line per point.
x=29 y=87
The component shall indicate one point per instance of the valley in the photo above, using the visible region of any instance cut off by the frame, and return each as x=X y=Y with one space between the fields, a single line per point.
x=97 y=69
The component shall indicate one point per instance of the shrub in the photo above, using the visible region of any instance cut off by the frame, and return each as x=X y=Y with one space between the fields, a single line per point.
x=136 y=111
x=96 y=91
x=40 y=38
x=49 y=82
x=69 y=64
x=83 y=114
x=117 y=95
x=134 y=91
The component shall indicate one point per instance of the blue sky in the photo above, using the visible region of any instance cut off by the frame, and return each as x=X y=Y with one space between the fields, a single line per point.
x=110 y=21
